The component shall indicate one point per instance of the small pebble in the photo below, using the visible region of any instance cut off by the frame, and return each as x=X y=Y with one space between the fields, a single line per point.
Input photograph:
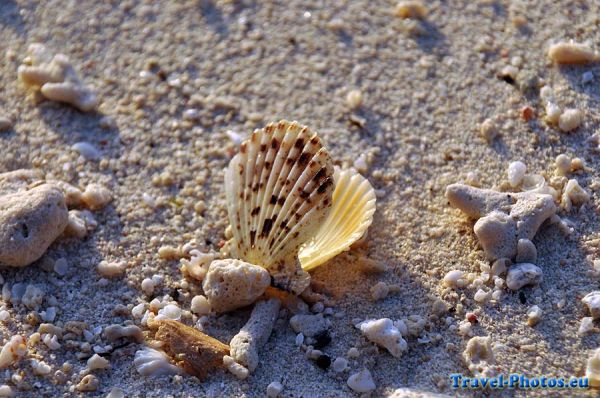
x=299 y=339
x=274 y=389
x=148 y=286
x=5 y=123
x=489 y=130
x=97 y=362
x=112 y=269
x=200 y=305
x=570 y=119
x=340 y=364
x=534 y=315
x=454 y=279
x=525 y=274
x=87 y=150
x=361 y=382
x=516 y=172
x=354 y=99
x=587 y=77
x=562 y=164
x=410 y=9
x=6 y=391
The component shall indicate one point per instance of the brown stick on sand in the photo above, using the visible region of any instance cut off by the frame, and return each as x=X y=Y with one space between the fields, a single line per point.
x=197 y=353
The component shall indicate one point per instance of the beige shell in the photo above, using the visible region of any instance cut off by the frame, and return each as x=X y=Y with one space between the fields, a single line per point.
x=350 y=217
x=279 y=191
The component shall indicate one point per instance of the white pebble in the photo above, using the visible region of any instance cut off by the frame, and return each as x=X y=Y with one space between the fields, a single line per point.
x=61 y=266
x=97 y=362
x=516 y=172
x=87 y=150
x=354 y=99
x=138 y=310
x=4 y=315
x=481 y=296
x=534 y=315
x=191 y=114
x=148 y=286
x=112 y=269
x=454 y=279
x=299 y=339
x=489 y=130
x=200 y=305
x=592 y=302
x=340 y=364
x=40 y=368
x=6 y=391
x=274 y=389
x=384 y=333
x=116 y=392
x=170 y=311
x=587 y=77
x=570 y=119
x=586 y=326
x=524 y=274
x=361 y=382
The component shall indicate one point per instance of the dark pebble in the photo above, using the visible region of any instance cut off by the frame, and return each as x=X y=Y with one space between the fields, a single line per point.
x=323 y=361
x=322 y=339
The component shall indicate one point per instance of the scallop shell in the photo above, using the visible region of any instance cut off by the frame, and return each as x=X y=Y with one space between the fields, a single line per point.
x=279 y=191
x=350 y=217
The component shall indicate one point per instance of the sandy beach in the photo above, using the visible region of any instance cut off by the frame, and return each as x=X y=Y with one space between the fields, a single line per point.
x=178 y=84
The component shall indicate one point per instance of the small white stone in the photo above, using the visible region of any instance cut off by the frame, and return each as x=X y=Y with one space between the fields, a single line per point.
x=299 y=339
x=191 y=114
x=61 y=266
x=562 y=164
x=384 y=333
x=534 y=315
x=274 y=389
x=138 y=310
x=489 y=130
x=353 y=352
x=354 y=99
x=49 y=314
x=361 y=382
x=570 y=119
x=524 y=274
x=200 y=305
x=592 y=371
x=40 y=368
x=586 y=326
x=454 y=279
x=236 y=138
x=170 y=311
x=96 y=196
x=482 y=296
x=97 y=362
x=111 y=269
x=148 y=286
x=235 y=368
x=592 y=302
x=4 y=315
x=587 y=77
x=116 y=392
x=87 y=150
x=516 y=172
x=6 y=391
x=339 y=364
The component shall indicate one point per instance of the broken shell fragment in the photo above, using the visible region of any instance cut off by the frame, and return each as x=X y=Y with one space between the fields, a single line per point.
x=279 y=192
x=197 y=353
x=350 y=217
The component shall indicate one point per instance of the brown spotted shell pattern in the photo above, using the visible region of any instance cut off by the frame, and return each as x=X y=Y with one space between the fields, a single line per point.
x=279 y=191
